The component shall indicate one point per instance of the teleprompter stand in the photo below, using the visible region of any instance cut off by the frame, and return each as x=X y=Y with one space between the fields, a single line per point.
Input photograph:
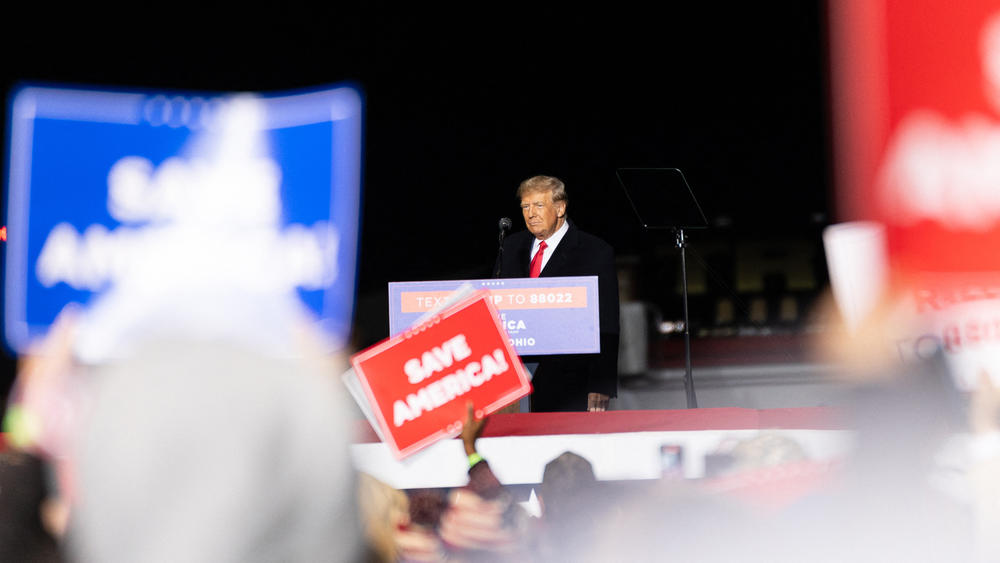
x=663 y=200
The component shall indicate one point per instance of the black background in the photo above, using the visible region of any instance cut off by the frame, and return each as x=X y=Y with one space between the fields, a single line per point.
x=461 y=104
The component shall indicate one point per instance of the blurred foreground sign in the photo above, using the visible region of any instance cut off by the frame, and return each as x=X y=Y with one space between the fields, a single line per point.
x=920 y=154
x=916 y=99
x=232 y=216
x=417 y=382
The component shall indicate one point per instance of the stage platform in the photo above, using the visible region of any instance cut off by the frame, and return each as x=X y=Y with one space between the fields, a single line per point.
x=621 y=445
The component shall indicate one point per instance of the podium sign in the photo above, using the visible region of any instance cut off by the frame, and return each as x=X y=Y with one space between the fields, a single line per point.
x=417 y=382
x=161 y=196
x=555 y=315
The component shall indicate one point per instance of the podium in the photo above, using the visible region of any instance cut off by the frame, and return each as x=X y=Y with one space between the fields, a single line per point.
x=553 y=315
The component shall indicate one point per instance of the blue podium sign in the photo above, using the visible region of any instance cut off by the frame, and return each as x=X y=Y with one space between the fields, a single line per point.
x=556 y=315
x=215 y=213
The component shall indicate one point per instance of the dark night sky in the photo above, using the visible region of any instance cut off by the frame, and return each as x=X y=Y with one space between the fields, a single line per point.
x=461 y=106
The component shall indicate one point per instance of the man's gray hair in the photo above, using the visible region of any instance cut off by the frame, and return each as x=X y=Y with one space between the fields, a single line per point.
x=543 y=184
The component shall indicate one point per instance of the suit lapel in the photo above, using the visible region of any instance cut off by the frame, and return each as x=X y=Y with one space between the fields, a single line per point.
x=523 y=256
x=560 y=258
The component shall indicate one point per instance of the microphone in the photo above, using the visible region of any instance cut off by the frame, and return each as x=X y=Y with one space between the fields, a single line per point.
x=504 y=226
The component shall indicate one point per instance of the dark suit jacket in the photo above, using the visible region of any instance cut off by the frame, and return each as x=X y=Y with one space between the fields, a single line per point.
x=562 y=382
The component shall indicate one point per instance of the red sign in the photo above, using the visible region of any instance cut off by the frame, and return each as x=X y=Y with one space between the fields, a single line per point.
x=916 y=96
x=418 y=382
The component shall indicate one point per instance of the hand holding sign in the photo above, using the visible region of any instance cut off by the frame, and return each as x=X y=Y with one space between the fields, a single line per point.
x=472 y=429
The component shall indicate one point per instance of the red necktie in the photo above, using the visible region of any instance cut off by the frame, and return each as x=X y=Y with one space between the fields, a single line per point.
x=536 y=262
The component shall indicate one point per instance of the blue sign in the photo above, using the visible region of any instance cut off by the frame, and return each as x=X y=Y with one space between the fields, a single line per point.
x=221 y=215
x=552 y=315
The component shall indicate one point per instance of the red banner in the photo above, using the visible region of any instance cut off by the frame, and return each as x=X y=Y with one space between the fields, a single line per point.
x=916 y=94
x=418 y=382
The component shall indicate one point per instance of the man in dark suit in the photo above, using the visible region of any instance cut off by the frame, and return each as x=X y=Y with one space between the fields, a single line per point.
x=553 y=246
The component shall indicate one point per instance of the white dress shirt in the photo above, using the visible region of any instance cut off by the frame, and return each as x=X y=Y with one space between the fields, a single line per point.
x=551 y=243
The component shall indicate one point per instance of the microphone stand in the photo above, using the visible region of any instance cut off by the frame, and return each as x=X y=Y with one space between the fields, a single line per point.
x=499 y=262
x=692 y=401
